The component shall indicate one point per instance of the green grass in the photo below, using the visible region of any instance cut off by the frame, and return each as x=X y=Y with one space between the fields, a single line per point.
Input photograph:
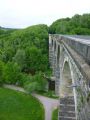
x=50 y=94
x=55 y=114
x=19 y=106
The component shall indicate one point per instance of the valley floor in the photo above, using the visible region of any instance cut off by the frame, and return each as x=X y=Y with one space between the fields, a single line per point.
x=15 y=105
x=48 y=103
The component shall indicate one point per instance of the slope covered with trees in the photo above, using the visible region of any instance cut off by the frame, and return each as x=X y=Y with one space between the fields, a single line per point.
x=24 y=55
x=77 y=25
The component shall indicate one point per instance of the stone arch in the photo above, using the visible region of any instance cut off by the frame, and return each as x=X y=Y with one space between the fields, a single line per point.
x=65 y=59
x=66 y=82
x=78 y=83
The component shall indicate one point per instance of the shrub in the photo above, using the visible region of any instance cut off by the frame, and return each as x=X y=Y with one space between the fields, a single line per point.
x=11 y=73
x=35 y=83
x=1 y=72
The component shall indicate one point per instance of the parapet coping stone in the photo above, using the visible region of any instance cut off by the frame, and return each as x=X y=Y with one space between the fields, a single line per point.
x=77 y=38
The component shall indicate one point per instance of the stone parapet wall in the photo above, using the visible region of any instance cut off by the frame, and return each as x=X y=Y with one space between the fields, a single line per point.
x=81 y=48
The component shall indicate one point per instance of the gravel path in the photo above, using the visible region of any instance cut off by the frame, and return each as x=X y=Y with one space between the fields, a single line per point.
x=48 y=103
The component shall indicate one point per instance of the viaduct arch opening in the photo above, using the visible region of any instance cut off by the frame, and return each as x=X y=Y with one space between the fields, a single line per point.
x=67 y=104
x=66 y=82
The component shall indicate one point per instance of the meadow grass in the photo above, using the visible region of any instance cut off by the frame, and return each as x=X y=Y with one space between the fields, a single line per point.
x=55 y=114
x=15 y=105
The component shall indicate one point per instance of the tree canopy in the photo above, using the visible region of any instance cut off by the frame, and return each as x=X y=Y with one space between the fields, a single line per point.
x=77 y=25
x=23 y=51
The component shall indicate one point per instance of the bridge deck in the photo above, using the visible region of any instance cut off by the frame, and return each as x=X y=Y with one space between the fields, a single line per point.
x=80 y=43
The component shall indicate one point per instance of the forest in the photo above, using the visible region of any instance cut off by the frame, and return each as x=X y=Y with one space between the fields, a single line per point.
x=24 y=52
x=77 y=25
x=24 y=56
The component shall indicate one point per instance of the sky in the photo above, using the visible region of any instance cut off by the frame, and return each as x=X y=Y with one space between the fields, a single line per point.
x=24 y=13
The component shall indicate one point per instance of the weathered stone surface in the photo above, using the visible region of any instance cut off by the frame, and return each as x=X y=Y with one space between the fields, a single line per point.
x=75 y=52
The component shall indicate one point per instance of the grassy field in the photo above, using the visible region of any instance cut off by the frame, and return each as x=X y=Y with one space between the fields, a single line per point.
x=55 y=114
x=19 y=106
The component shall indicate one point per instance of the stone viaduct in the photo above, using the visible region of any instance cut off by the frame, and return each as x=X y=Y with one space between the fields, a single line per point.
x=69 y=58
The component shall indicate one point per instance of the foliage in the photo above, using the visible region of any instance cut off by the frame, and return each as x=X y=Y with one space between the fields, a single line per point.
x=24 y=52
x=1 y=72
x=11 y=73
x=78 y=24
x=20 y=58
x=18 y=106
x=36 y=61
x=26 y=47
x=35 y=83
x=32 y=86
x=55 y=114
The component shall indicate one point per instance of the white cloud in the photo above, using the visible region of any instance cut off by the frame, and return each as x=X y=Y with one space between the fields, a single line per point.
x=22 y=13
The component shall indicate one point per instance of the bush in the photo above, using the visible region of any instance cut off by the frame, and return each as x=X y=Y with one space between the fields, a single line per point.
x=1 y=72
x=22 y=79
x=11 y=73
x=31 y=87
x=35 y=83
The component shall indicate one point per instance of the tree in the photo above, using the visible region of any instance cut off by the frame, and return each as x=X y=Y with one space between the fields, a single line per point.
x=20 y=58
x=24 y=51
x=36 y=83
x=11 y=73
x=35 y=60
x=78 y=24
x=1 y=72
x=7 y=54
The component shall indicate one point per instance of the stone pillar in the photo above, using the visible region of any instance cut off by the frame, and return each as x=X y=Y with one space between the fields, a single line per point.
x=50 y=51
x=57 y=72
x=53 y=52
x=57 y=81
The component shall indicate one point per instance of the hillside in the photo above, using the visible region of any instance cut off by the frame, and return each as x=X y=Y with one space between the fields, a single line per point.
x=24 y=55
x=77 y=25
